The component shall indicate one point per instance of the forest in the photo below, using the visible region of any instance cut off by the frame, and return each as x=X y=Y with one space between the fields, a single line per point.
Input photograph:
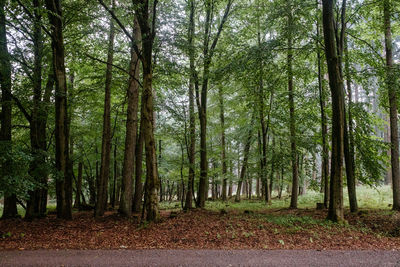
x=145 y=111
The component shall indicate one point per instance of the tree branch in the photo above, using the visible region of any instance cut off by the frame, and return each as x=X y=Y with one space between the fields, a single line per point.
x=115 y=66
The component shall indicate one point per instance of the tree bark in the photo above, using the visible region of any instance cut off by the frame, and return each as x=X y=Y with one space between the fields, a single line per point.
x=193 y=81
x=125 y=207
x=244 y=163
x=137 y=198
x=223 y=149
x=37 y=123
x=390 y=83
x=77 y=203
x=324 y=124
x=349 y=139
x=335 y=212
x=208 y=52
x=102 y=189
x=264 y=130
x=64 y=182
x=152 y=181
x=295 y=167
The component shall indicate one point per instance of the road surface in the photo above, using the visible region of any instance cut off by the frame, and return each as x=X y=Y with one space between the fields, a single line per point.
x=198 y=258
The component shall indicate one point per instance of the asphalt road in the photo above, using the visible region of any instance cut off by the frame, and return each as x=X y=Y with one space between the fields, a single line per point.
x=198 y=258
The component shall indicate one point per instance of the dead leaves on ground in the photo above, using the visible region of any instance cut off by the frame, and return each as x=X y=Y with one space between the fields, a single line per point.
x=202 y=229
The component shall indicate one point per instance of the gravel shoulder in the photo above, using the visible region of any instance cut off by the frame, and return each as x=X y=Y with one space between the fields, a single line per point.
x=198 y=258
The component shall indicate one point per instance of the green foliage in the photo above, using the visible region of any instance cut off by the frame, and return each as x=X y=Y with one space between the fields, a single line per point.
x=16 y=160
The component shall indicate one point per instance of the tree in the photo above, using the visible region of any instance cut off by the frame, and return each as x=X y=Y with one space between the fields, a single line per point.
x=64 y=181
x=324 y=124
x=10 y=201
x=335 y=212
x=102 y=184
x=390 y=83
x=148 y=31
x=295 y=167
x=193 y=82
x=208 y=53
x=131 y=130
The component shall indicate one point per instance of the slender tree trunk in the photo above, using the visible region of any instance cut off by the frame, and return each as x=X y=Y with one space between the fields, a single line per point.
x=64 y=183
x=335 y=212
x=223 y=150
x=208 y=52
x=192 y=126
x=390 y=81
x=163 y=191
x=264 y=130
x=349 y=140
x=115 y=176
x=91 y=185
x=261 y=168
x=295 y=175
x=125 y=207
x=244 y=163
x=102 y=189
x=77 y=203
x=324 y=125
x=271 y=179
x=137 y=198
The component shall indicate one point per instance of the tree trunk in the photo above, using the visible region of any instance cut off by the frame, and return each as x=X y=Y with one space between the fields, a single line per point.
x=349 y=140
x=77 y=203
x=64 y=182
x=324 y=125
x=295 y=175
x=152 y=182
x=36 y=204
x=335 y=212
x=390 y=81
x=223 y=150
x=125 y=207
x=208 y=52
x=115 y=176
x=193 y=81
x=244 y=163
x=102 y=189
x=264 y=130
x=137 y=198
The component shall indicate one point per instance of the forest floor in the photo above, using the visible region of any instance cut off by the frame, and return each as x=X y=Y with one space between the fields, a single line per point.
x=218 y=228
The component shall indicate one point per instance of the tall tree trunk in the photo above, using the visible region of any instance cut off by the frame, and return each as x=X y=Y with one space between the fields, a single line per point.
x=115 y=176
x=264 y=130
x=223 y=150
x=10 y=200
x=390 y=83
x=162 y=189
x=349 y=139
x=152 y=182
x=244 y=163
x=91 y=185
x=208 y=52
x=36 y=204
x=64 y=183
x=335 y=212
x=324 y=125
x=193 y=82
x=295 y=167
x=125 y=207
x=271 y=179
x=102 y=189
x=77 y=203
x=137 y=198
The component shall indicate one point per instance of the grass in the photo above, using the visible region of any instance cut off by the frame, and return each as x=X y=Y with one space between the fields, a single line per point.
x=368 y=198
